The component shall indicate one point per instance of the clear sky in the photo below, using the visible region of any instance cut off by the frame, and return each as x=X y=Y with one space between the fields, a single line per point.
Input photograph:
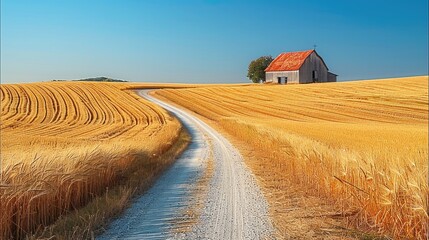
x=207 y=41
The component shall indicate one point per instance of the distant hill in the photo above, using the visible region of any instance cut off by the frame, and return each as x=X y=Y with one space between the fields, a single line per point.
x=96 y=79
x=101 y=79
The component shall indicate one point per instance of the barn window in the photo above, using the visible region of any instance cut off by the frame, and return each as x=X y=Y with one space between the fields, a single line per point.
x=315 y=75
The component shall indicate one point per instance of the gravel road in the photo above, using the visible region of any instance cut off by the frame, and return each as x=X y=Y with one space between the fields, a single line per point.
x=235 y=207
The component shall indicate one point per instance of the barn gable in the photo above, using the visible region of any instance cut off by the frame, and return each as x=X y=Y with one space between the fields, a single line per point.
x=313 y=69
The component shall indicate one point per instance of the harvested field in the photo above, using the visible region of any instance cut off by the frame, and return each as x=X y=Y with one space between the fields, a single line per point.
x=362 y=146
x=63 y=143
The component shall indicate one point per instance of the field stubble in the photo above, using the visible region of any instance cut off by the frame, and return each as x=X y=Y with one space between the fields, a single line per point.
x=361 y=145
x=64 y=143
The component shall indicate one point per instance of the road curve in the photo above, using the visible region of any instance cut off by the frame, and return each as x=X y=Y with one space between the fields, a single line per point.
x=235 y=208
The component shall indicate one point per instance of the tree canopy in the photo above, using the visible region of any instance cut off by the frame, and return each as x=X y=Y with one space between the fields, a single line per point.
x=256 y=69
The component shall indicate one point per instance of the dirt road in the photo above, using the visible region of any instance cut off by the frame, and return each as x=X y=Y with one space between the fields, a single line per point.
x=234 y=208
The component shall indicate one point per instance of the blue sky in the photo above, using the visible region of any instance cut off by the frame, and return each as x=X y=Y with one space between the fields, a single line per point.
x=207 y=41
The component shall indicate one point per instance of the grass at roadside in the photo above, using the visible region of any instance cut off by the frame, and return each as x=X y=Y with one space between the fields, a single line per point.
x=89 y=221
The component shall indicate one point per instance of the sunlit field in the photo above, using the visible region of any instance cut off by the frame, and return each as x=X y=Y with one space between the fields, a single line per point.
x=362 y=144
x=63 y=143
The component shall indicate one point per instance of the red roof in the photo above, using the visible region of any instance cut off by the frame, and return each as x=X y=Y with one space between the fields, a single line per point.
x=290 y=61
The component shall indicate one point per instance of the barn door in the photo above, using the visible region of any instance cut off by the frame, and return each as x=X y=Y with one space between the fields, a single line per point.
x=281 y=80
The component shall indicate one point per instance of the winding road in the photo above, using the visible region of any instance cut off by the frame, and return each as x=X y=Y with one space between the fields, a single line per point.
x=234 y=208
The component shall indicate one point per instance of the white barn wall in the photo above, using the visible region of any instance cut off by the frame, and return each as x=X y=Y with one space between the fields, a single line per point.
x=292 y=76
x=313 y=62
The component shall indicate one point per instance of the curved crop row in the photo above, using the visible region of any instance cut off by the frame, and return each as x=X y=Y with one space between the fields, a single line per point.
x=55 y=110
x=63 y=143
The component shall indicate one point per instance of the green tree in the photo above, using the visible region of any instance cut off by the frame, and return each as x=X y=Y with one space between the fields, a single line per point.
x=256 y=69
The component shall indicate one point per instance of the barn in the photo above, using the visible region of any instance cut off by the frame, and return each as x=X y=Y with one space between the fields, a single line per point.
x=298 y=67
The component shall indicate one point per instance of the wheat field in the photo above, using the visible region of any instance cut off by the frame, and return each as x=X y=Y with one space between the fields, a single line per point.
x=63 y=143
x=362 y=145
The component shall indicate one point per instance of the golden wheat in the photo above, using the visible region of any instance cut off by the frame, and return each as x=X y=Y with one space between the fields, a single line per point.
x=363 y=144
x=62 y=143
